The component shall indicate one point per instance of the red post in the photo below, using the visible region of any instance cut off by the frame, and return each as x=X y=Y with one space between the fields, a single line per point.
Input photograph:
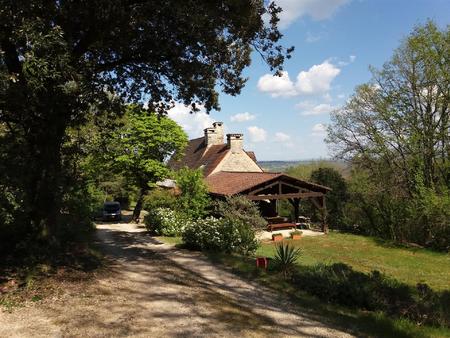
x=261 y=262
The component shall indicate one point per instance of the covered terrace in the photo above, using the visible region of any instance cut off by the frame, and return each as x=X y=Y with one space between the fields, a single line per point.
x=267 y=189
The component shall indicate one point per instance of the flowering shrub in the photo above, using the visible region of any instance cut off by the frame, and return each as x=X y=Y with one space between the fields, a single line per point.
x=166 y=222
x=240 y=209
x=221 y=235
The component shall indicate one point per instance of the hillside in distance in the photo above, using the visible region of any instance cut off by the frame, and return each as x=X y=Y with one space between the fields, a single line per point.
x=304 y=167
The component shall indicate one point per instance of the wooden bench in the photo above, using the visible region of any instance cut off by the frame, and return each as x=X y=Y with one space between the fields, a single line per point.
x=270 y=227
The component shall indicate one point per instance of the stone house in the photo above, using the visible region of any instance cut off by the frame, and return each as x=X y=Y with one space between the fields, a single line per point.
x=230 y=170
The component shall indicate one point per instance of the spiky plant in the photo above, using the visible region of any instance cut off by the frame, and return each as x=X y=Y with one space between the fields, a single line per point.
x=285 y=258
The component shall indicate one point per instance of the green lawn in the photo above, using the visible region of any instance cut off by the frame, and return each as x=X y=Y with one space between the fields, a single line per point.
x=360 y=323
x=363 y=254
x=366 y=254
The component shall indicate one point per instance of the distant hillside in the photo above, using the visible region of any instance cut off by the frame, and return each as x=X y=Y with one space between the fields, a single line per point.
x=275 y=166
x=302 y=169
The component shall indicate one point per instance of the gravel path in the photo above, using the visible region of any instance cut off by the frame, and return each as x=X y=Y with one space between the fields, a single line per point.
x=155 y=290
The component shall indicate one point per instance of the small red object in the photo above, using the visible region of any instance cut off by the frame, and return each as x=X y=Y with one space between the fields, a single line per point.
x=262 y=262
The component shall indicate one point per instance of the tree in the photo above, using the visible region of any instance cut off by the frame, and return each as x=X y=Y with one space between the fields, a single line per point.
x=337 y=197
x=194 y=199
x=397 y=126
x=63 y=61
x=395 y=132
x=143 y=146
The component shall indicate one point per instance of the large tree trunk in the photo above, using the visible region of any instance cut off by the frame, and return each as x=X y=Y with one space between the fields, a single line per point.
x=138 y=208
x=45 y=186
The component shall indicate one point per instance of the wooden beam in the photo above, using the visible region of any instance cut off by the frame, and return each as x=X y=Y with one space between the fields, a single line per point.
x=284 y=196
x=292 y=186
x=263 y=188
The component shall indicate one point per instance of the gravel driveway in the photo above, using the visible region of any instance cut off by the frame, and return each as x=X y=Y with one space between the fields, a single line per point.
x=155 y=290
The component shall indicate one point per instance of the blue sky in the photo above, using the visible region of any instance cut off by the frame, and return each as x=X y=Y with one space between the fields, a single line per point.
x=335 y=42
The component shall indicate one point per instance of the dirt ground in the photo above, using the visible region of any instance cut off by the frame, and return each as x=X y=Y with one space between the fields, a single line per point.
x=156 y=290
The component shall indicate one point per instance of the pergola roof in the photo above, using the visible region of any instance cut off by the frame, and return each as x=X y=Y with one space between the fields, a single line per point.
x=227 y=183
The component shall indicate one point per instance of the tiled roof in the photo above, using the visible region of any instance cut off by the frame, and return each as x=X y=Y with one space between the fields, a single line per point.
x=193 y=153
x=197 y=156
x=229 y=183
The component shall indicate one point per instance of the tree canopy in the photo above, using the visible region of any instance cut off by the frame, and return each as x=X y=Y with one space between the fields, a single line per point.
x=142 y=147
x=63 y=63
x=395 y=132
x=397 y=126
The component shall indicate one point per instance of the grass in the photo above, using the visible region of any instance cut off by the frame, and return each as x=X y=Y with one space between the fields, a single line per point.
x=170 y=240
x=365 y=254
x=360 y=323
x=409 y=265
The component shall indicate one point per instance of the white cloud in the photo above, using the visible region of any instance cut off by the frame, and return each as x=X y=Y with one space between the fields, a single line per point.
x=310 y=37
x=257 y=134
x=282 y=137
x=319 y=129
x=351 y=59
x=316 y=9
x=277 y=85
x=316 y=80
x=242 y=117
x=309 y=109
x=193 y=124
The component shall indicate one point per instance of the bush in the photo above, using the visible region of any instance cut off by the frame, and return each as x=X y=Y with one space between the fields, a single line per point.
x=194 y=199
x=166 y=222
x=159 y=198
x=220 y=235
x=240 y=209
x=340 y=284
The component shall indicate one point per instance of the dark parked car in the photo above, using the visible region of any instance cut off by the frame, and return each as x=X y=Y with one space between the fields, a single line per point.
x=112 y=211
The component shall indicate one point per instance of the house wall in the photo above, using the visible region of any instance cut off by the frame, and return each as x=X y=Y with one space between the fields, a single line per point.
x=239 y=161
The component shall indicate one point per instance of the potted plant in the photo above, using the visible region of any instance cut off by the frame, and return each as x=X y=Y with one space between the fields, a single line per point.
x=297 y=234
x=277 y=237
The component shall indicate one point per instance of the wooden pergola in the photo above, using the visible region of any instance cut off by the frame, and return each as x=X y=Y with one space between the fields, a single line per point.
x=270 y=187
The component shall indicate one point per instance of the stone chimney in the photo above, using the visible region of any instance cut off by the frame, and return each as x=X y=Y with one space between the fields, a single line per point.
x=218 y=126
x=235 y=142
x=214 y=135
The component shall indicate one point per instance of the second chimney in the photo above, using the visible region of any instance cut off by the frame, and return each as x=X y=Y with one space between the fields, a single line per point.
x=235 y=142
x=214 y=135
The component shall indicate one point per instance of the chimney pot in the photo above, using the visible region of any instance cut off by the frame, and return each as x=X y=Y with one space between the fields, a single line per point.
x=235 y=142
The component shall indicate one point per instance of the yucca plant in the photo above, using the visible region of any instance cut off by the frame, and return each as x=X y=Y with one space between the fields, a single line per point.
x=285 y=258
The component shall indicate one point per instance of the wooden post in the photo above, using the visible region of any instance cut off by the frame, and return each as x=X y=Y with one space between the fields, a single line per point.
x=319 y=202
x=324 y=215
x=295 y=202
x=296 y=209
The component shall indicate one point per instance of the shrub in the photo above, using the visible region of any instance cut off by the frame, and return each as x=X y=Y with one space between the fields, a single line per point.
x=159 y=198
x=220 y=235
x=240 y=209
x=340 y=284
x=285 y=258
x=194 y=199
x=166 y=222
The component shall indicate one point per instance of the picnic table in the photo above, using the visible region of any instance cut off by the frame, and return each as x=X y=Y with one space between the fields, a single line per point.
x=272 y=226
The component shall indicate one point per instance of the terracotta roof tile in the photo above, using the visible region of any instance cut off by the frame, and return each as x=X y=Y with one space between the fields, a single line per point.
x=192 y=154
x=196 y=156
x=229 y=183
